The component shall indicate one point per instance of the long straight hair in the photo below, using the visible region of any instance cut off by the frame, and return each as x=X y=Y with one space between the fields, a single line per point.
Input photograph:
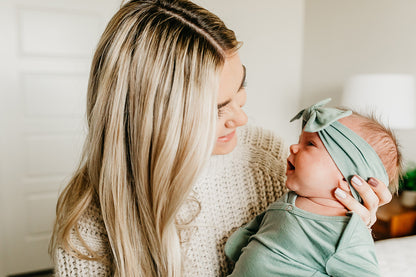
x=151 y=112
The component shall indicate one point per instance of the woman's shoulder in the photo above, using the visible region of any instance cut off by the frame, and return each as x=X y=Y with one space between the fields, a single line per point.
x=88 y=235
x=91 y=221
x=91 y=230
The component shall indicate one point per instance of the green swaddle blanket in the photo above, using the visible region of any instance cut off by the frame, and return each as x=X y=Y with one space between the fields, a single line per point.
x=351 y=153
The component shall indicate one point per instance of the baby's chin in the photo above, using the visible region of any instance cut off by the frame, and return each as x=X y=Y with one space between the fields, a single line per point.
x=291 y=185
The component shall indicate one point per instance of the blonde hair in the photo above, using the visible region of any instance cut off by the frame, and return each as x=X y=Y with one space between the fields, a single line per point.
x=385 y=143
x=151 y=113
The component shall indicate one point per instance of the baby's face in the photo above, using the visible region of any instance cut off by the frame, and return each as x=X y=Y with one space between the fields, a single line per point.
x=311 y=172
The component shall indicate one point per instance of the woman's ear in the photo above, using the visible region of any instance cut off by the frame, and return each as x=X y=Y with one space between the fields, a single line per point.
x=343 y=184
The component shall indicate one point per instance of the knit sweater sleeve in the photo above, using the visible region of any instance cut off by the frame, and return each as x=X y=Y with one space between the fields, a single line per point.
x=267 y=156
x=91 y=229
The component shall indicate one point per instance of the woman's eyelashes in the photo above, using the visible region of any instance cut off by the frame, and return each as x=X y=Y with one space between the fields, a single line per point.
x=223 y=110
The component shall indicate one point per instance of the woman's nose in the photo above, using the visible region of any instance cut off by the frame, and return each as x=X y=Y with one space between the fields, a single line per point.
x=238 y=118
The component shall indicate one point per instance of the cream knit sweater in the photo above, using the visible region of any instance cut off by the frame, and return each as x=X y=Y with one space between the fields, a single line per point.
x=232 y=190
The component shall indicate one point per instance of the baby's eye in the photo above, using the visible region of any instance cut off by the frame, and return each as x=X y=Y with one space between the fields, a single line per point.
x=310 y=143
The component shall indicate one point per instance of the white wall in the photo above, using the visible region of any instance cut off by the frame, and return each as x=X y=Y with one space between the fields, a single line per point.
x=343 y=38
x=272 y=33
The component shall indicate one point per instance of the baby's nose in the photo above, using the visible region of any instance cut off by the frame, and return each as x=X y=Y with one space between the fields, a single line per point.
x=294 y=148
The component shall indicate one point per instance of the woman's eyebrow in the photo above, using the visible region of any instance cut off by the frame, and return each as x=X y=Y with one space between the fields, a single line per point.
x=225 y=103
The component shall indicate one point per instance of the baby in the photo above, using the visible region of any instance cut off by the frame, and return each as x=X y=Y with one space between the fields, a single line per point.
x=307 y=232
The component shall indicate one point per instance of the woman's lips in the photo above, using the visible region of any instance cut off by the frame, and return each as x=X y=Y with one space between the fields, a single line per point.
x=226 y=138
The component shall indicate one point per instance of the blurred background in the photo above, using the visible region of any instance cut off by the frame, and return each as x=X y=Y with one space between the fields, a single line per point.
x=297 y=52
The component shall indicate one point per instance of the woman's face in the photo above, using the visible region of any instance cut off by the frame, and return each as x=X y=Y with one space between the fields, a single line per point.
x=231 y=99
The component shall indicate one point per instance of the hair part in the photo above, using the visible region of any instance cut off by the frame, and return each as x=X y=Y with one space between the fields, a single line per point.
x=151 y=112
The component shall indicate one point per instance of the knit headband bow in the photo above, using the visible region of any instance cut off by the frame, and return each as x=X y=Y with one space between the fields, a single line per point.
x=351 y=153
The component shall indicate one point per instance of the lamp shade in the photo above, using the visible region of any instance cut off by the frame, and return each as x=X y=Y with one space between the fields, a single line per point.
x=390 y=96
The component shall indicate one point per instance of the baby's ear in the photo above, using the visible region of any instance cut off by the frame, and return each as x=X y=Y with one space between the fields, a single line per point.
x=343 y=184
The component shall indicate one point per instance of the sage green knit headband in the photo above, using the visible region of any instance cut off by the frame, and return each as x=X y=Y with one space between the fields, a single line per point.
x=351 y=153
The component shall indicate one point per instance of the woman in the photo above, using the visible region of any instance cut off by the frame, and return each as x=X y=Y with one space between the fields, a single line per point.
x=165 y=92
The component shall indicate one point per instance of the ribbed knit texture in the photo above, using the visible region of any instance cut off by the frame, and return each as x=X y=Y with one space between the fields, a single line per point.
x=91 y=228
x=231 y=190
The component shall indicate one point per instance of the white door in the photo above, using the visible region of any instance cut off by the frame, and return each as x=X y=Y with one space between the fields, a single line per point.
x=45 y=53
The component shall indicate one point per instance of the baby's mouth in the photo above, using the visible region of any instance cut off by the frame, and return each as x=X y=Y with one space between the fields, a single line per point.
x=290 y=166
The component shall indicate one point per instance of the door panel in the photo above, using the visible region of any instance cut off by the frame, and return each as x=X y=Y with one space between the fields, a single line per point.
x=45 y=52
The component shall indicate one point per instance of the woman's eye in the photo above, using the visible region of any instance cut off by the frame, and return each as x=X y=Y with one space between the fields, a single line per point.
x=223 y=110
x=310 y=143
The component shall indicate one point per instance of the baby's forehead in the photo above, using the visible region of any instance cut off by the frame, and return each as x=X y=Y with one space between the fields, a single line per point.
x=352 y=122
x=348 y=120
x=308 y=135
